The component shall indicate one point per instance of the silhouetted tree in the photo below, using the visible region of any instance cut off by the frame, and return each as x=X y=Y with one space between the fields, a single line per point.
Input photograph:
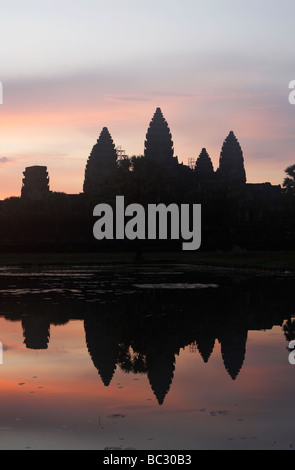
x=289 y=330
x=289 y=181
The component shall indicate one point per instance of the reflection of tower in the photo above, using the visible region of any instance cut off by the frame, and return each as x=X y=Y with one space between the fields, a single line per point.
x=233 y=351
x=158 y=144
x=205 y=346
x=101 y=163
x=36 y=331
x=103 y=348
x=35 y=183
x=193 y=348
x=160 y=369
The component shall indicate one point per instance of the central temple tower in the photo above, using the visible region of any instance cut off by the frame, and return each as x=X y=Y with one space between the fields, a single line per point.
x=158 y=143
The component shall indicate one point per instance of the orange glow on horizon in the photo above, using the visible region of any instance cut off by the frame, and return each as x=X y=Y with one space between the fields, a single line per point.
x=61 y=137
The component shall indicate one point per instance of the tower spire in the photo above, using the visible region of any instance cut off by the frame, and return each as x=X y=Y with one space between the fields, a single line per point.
x=101 y=163
x=203 y=166
x=158 y=143
x=231 y=161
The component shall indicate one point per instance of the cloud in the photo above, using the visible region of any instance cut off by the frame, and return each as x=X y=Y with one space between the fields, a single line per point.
x=118 y=97
x=6 y=160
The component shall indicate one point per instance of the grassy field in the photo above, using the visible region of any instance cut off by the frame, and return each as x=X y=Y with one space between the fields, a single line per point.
x=261 y=260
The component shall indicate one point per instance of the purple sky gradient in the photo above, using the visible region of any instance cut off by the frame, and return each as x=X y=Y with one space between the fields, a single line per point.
x=69 y=68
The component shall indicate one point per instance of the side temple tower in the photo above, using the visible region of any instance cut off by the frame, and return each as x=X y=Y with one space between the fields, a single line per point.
x=231 y=162
x=204 y=168
x=101 y=163
x=35 y=184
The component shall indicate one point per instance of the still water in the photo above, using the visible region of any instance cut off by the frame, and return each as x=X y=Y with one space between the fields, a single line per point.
x=146 y=357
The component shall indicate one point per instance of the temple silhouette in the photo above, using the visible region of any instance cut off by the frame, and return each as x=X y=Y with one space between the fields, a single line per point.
x=134 y=327
x=102 y=162
x=235 y=213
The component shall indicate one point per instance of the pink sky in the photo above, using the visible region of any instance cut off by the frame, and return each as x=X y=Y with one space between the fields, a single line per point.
x=61 y=136
x=211 y=69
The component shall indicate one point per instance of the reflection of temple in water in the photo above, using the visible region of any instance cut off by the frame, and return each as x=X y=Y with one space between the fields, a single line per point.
x=143 y=332
x=107 y=350
x=160 y=374
x=154 y=354
x=233 y=351
x=36 y=331
x=103 y=348
x=109 y=345
x=205 y=346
